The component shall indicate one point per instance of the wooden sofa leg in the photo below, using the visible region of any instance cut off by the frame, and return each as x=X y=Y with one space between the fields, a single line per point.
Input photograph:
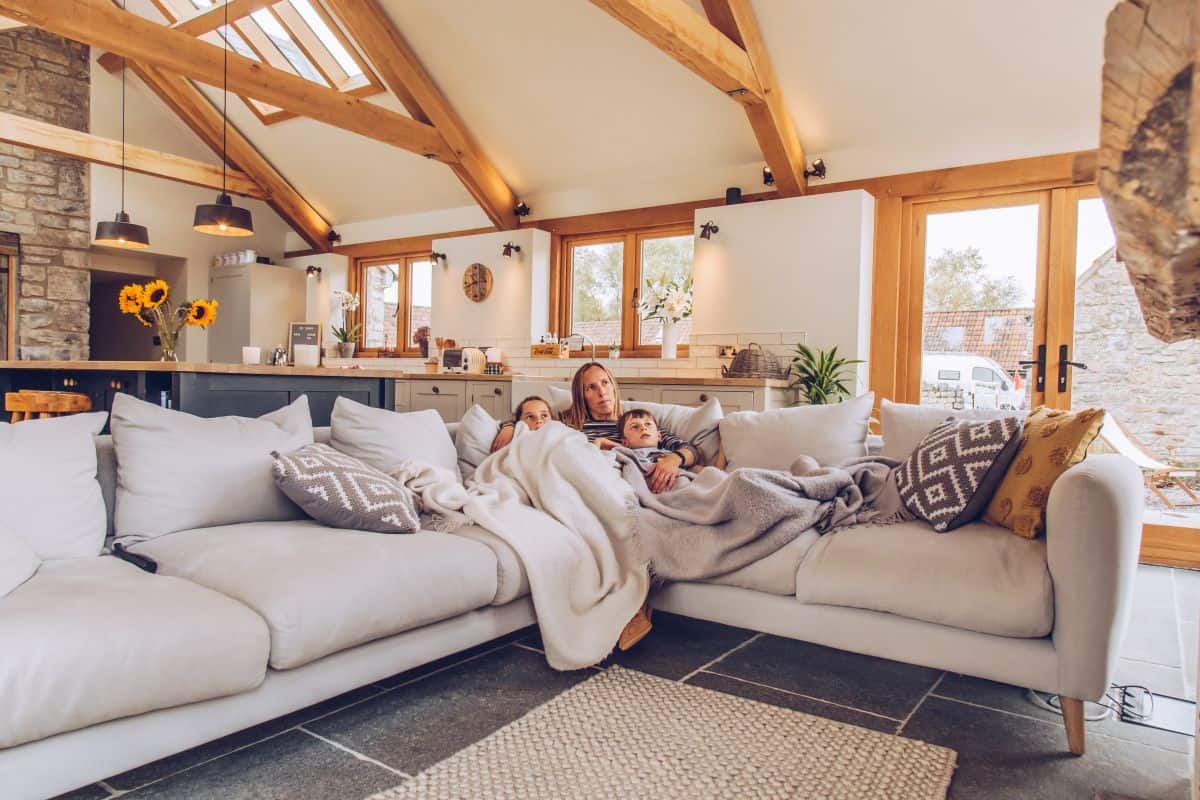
x=1072 y=711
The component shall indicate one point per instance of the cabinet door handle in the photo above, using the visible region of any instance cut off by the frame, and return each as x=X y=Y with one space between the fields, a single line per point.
x=703 y=398
x=436 y=390
x=496 y=391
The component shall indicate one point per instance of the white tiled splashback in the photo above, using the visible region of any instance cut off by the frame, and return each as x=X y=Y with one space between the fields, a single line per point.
x=703 y=359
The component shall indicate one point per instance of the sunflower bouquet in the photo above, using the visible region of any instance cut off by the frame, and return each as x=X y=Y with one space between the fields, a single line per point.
x=150 y=304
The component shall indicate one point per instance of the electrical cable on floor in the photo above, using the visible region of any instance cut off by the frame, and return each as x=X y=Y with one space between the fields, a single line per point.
x=1109 y=705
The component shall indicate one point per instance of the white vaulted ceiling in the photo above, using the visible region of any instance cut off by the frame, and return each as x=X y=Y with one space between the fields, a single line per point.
x=580 y=114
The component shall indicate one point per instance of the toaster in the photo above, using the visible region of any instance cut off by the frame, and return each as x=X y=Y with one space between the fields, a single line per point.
x=452 y=358
x=473 y=360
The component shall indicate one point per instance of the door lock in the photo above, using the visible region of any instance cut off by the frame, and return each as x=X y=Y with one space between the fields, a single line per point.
x=1040 y=366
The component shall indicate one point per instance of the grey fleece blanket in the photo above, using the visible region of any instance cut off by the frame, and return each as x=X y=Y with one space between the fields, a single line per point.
x=720 y=521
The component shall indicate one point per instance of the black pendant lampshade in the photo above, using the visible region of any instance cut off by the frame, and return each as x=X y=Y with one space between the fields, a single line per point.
x=122 y=233
x=223 y=218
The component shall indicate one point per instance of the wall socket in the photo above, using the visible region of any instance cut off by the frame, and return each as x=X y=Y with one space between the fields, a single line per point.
x=728 y=350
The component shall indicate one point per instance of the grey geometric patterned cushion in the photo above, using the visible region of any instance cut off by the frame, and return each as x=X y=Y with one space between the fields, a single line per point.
x=342 y=492
x=950 y=477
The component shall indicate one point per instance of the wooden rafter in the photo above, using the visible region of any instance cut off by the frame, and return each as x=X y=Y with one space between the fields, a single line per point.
x=403 y=73
x=99 y=150
x=770 y=120
x=726 y=50
x=190 y=104
x=214 y=17
x=98 y=23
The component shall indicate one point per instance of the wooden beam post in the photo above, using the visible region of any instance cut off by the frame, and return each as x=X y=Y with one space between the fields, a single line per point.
x=100 y=24
x=205 y=120
x=98 y=150
x=402 y=72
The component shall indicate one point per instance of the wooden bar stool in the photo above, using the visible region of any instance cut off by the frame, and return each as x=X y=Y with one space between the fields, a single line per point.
x=37 y=404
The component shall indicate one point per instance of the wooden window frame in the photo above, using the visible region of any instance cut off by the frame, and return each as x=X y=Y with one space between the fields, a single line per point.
x=631 y=275
x=11 y=268
x=356 y=285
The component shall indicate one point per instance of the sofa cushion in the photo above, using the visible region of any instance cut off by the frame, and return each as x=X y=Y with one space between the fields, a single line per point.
x=384 y=439
x=343 y=492
x=322 y=589
x=775 y=574
x=774 y=439
x=93 y=639
x=473 y=442
x=981 y=579
x=906 y=424
x=949 y=479
x=176 y=471
x=50 y=465
x=18 y=561
x=512 y=581
x=699 y=425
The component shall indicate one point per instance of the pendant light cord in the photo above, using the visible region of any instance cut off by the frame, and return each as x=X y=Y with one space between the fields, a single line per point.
x=123 y=128
x=225 y=99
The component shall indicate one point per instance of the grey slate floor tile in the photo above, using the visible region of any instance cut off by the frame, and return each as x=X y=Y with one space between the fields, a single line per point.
x=1153 y=636
x=292 y=766
x=1004 y=756
x=679 y=645
x=417 y=725
x=878 y=685
x=1155 y=677
x=93 y=792
x=455 y=658
x=1187 y=594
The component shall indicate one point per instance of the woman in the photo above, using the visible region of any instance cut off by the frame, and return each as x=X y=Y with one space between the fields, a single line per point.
x=595 y=410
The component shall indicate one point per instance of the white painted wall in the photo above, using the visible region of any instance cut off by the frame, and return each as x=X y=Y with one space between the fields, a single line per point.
x=786 y=271
x=319 y=297
x=516 y=310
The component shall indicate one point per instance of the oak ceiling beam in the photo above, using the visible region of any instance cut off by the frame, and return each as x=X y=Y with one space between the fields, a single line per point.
x=402 y=72
x=770 y=120
x=198 y=24
x=99 y=150
x=100 y=24
x=676 y=29
x=194 y=108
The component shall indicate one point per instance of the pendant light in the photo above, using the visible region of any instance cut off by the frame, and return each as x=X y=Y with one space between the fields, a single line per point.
x=121 y=232
x=223 y=218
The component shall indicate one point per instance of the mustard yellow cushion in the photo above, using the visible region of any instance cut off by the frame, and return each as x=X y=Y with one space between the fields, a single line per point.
x=1053 y=441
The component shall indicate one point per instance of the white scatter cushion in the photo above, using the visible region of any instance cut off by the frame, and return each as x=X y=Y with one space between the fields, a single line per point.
x=385 y=439
x=476 y=432
x=51 y=497
x=176 y=471
x=560 y=399
x=18 y=562
x=774 y=439
x=906 y=424
x=699 y=425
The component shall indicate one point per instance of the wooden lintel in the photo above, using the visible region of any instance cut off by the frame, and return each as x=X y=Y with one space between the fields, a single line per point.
x=190 y=104
x=402 y=72
x=770 y=120
x=99 y=150
x=678 y=30
x=100 y=24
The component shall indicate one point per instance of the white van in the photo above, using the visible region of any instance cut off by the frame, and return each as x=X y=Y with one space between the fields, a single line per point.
x=983 y=383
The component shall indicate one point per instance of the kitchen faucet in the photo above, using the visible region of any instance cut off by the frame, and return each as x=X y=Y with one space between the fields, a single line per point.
x=587 y=339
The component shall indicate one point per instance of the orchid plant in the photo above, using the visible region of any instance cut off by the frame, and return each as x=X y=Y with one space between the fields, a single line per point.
x=670 y=301
x=348 y=303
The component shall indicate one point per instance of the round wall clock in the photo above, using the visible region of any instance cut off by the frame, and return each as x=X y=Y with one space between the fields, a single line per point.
x=477 y=282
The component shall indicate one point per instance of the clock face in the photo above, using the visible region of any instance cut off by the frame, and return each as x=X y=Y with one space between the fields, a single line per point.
x=477 y=282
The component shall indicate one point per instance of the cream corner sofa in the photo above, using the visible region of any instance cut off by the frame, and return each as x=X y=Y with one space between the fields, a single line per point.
x=106 y=667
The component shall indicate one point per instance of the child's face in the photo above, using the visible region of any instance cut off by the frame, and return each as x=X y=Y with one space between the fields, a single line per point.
x=641 y=432
x=535 y=414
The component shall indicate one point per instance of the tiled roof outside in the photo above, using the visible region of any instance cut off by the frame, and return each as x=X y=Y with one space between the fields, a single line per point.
x=1004 y=335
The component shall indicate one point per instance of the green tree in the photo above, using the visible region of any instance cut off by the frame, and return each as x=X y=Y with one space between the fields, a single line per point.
x=596 y=282
x=958 y=280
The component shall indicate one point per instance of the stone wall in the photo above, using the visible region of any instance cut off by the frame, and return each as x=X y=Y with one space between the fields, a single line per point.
x=44 y=197
x=1152 y=388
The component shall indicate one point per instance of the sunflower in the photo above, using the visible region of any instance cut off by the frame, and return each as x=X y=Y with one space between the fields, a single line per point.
x=202 y=313
x=131 y=299
x=155 y=293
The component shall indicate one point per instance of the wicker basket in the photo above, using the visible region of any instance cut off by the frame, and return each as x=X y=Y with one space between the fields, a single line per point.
x=754 y=362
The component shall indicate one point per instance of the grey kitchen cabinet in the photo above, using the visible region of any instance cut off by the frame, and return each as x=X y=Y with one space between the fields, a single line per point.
x=730 y=399
x=448 y=398
x=494 y=396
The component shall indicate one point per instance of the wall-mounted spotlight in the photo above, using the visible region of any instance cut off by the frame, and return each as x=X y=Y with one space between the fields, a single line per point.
x=333 y=237
x=768 y=176
x=817 y=170
x=521 y=209
x=708 y=229
x=313 y=272
x=510 y=248
x=436 y=256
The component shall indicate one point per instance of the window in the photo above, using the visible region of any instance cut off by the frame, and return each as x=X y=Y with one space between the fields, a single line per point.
x=607 y=274
x=949 y=375
x=984 y=375
x=396 y=299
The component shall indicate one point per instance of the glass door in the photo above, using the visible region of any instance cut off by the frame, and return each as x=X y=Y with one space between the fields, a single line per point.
x=978 y=302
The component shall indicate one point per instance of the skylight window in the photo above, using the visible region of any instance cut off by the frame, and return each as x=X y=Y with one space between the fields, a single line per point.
x=280 y=38
x=331 y=42
x=235 y=40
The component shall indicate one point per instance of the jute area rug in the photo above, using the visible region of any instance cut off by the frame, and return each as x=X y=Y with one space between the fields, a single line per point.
x=627 y=734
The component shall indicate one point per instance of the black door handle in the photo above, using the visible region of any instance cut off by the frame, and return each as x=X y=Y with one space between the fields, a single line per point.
x=1040 y=365
x=1064 y=361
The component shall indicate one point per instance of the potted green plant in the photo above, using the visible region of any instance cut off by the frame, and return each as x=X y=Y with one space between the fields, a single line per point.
x=347 y=333
x=614 y=350
x=821 y=376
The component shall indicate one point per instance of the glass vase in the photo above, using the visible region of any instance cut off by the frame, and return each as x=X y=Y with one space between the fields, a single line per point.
x=169 y=343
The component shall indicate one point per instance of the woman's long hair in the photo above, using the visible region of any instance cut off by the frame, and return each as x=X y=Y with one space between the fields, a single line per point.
x=577 y=414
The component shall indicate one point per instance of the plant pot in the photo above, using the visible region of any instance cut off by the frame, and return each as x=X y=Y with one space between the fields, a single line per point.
x=670 y=339
x=614 y=352
x=345 y=349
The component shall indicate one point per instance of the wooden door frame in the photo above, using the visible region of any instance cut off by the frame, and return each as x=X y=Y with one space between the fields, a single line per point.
x=12 y=267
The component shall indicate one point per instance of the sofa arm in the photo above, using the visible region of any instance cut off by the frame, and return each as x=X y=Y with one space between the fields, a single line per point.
x=1093 y=532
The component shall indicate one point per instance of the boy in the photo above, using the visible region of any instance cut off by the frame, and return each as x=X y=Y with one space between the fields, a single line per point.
x=641 y=434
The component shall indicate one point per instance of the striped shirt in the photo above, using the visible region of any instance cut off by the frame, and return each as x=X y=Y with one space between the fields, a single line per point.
x=595 y=429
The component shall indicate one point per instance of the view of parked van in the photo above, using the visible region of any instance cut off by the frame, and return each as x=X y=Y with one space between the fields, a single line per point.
x=966 y=380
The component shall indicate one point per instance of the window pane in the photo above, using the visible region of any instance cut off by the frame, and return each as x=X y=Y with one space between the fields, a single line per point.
x=236 y=42
x=271 y=27
x=381 y=289
x=596 y=277
x=420 y=278
x=980 y=277
x=665 y=260
x=331 y=42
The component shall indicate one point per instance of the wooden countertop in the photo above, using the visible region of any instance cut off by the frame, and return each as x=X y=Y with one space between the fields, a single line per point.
x=359 y=372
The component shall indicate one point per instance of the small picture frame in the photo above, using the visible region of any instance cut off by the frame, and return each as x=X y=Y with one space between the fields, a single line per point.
x=304 y=333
